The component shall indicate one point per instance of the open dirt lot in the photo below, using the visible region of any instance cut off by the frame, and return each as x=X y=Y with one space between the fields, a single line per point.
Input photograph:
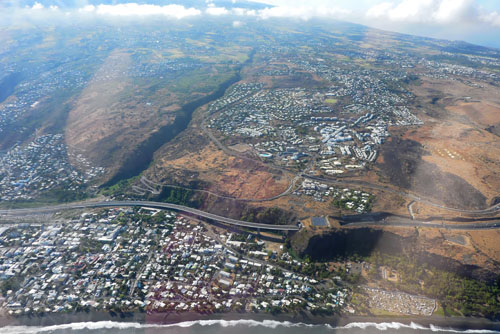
x=454 y=158
x=468 y=248
x=192 y=158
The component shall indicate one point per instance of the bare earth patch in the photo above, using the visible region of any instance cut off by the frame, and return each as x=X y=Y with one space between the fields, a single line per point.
x=226 y=175
x=107 y=121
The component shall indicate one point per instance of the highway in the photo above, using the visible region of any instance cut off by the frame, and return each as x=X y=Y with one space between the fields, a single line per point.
x=156 y=205
x=413 y=223
x=395 y=221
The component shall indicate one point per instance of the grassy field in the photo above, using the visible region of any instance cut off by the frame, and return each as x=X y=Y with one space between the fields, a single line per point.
x=439 y=311
x=384 y=313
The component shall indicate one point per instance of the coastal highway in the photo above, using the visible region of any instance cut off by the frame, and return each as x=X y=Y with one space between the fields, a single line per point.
x=448 y=226
x=361 y=222
x=404 y=222
x=156 y=205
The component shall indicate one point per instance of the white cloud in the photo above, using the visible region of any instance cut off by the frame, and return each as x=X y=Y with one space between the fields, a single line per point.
x=380 y=9
x=87 y=9
x=237 y=24
x=216 y=11
x=244 y=12
x=455 y=10
x=409 y=10
x=425 y=11
x=492 y=18
x=133 y=9
x=302 y=12
x=37 y=5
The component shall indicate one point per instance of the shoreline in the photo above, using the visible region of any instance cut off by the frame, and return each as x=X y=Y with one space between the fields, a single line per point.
x=457 y=323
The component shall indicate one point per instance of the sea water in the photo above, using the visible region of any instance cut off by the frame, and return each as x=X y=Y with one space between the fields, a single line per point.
x=231 y=327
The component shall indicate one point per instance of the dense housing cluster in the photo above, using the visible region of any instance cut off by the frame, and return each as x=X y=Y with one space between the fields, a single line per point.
x=124 y=259
x=40 y=166
x=399 y=302
x=340 y=127
x=30 y=93
x=345 y=198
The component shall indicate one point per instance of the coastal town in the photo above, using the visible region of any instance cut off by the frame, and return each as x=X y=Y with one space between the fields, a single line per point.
x=314 y=172
x=118 y=260
x=124 y=259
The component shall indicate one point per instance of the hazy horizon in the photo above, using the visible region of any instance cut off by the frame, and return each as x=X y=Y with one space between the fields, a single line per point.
x=473 y=21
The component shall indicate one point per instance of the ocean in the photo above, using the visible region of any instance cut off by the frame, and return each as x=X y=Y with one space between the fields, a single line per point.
x=231 y=327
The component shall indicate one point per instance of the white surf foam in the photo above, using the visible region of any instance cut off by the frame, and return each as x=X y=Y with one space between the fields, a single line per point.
x=272 y=324
x=383 y=326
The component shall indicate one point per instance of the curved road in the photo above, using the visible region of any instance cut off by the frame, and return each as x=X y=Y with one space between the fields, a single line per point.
x=147 y=183
x=160 y=205
x=156 y=205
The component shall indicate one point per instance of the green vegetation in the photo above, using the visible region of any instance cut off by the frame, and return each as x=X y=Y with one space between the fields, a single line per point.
x=306 y=267
x=119 y=189
x=65 y=196
x=317 y=271
x=12 y=283
x=89 y=246
x=384 y=313
x=352 y=201
x=302 y=130
x=331 y=101
x=439 y=311
x=51 y=197
x=20 y=204
x=242 y=237
x=274 y=215
x=204 y=80
x=179 y=196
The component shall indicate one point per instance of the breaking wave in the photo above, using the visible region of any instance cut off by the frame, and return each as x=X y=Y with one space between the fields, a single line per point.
x=383 y=326
x=272 y=324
